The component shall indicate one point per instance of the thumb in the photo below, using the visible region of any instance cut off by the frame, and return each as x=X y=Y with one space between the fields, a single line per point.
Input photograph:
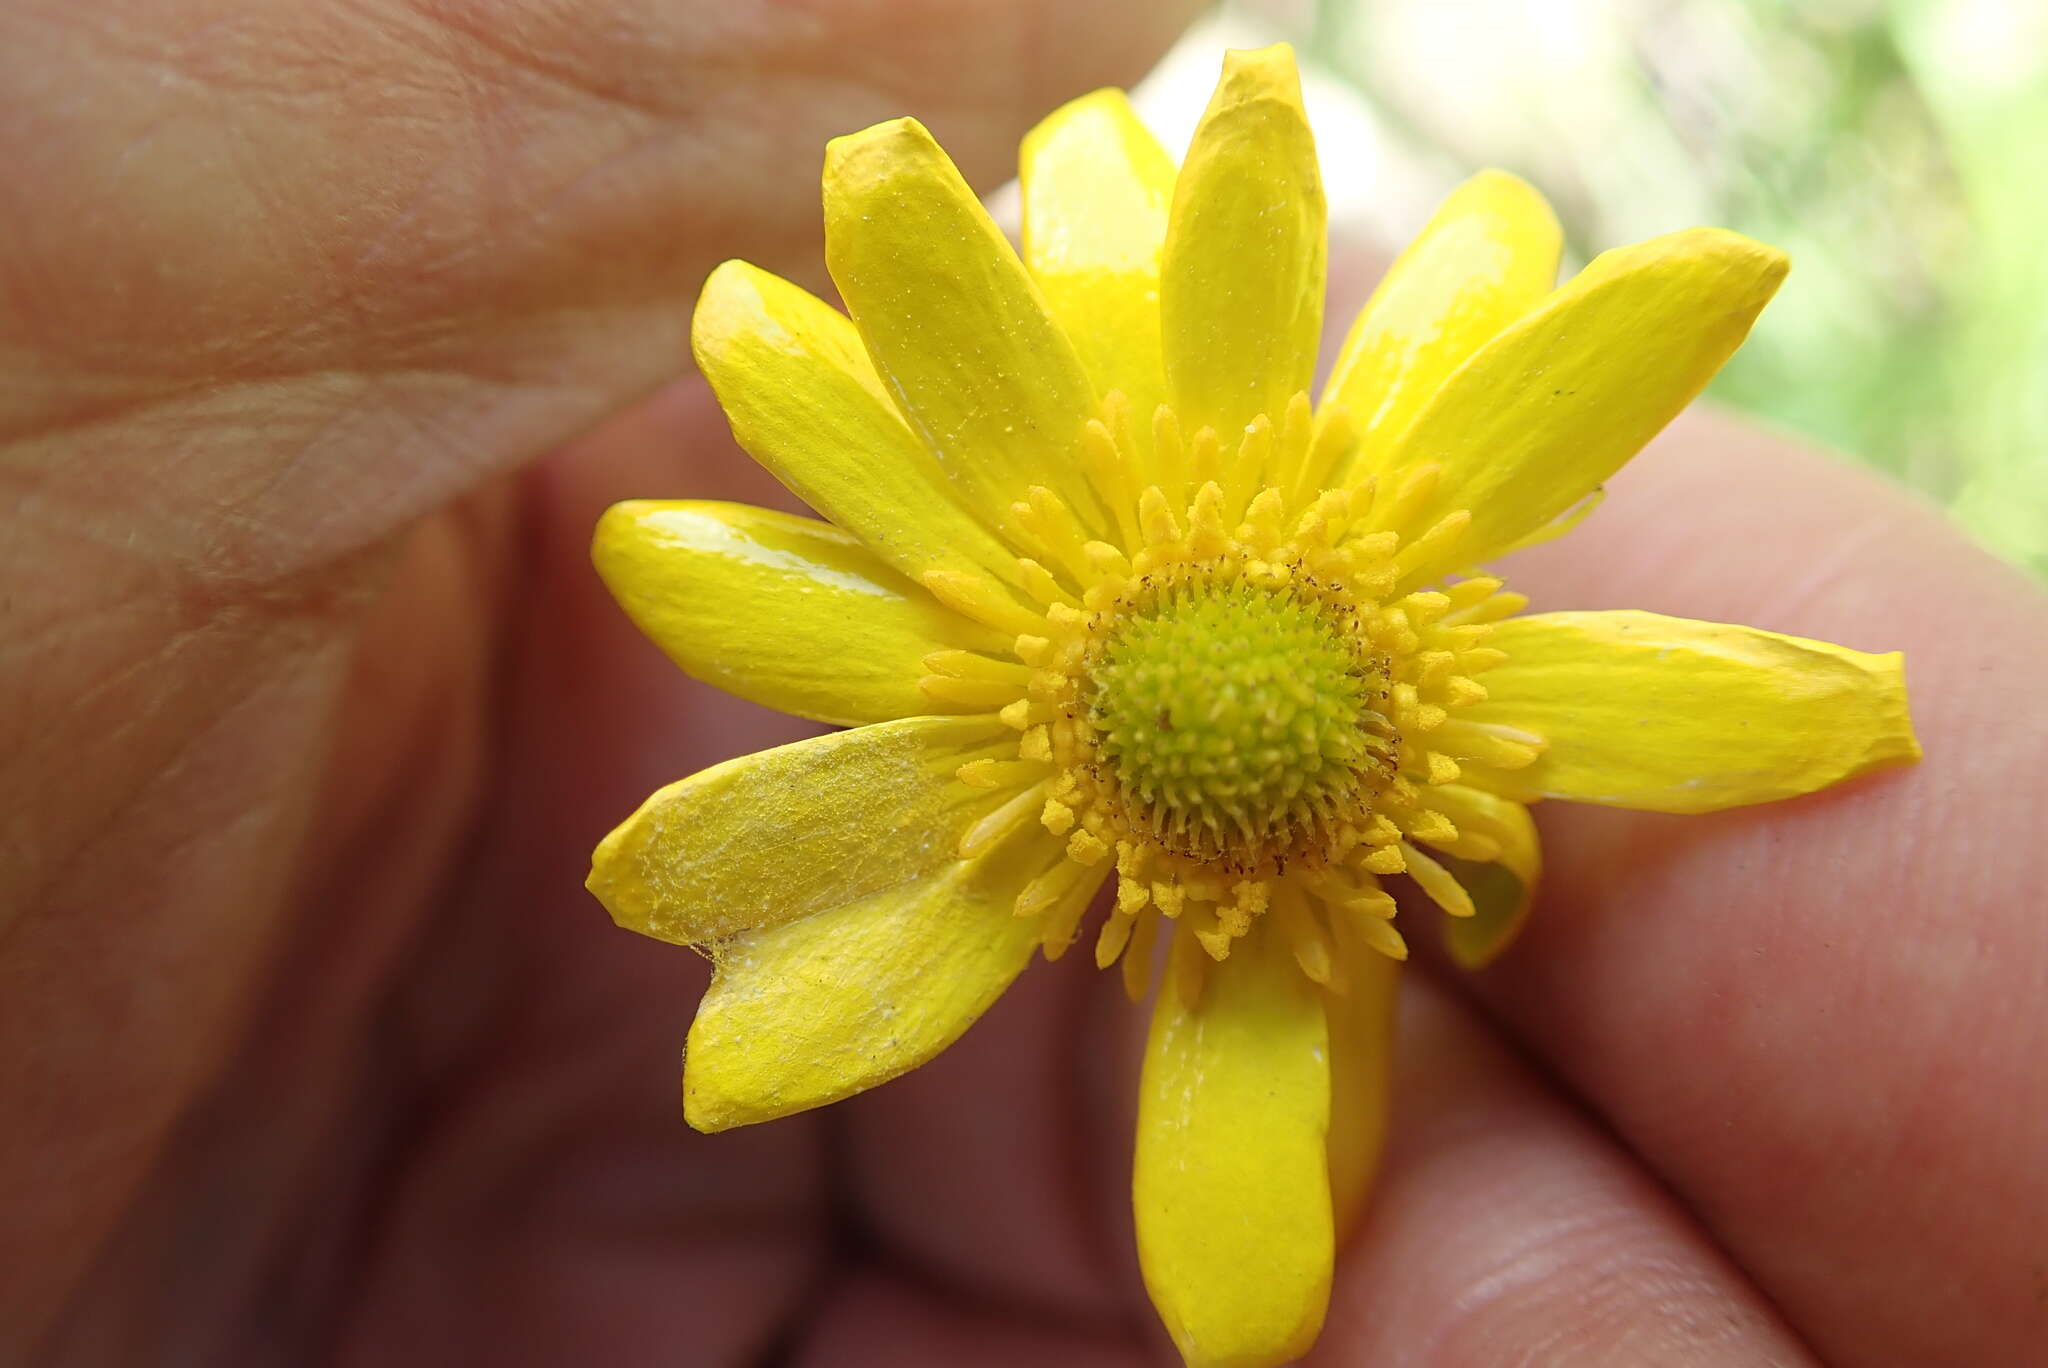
x=327 y=265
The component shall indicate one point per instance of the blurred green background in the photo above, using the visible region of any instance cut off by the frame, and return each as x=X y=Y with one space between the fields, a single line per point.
x=1898 y=149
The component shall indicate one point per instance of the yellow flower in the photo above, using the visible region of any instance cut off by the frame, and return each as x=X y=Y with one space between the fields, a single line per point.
x=1103 y=592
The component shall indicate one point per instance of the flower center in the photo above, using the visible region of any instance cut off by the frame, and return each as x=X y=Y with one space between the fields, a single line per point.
x=1245 y=700
x=1236 y=718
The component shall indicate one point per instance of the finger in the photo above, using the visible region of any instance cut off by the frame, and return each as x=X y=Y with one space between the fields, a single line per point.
x=1506 y=1227
x=1819 y=1020
x=877 y=1321
x=980 y=1170
x=293 y=278
x=491 y=1149
x=452 y=236
x=555 y=1206
x=555 y=1210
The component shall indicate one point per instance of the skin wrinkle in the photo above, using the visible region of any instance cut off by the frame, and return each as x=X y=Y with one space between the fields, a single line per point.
x=1833 y=562
x=28 y=641
x=483 y=31
x=327 y=482
x=341 y=413
x=350 y=290
x=1529 y=1272
x=234 y=53
x=204 y=92
x=217 y=549
x=166 y=770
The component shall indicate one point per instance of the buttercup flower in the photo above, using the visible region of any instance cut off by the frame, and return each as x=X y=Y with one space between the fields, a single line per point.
x=1102 y=592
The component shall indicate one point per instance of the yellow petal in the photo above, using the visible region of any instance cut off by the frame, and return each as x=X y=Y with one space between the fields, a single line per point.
x=1232 y=1184
x=804 y=400
x=786 y=611
x=812 y=1011
x=799 y=829
x=1361 y=1025
x=1241 y=298
x=956 y=329
x=1557 y=403
x=1502 y=888
x=1670 y=715
x=1486 y=259
x=1096 y=190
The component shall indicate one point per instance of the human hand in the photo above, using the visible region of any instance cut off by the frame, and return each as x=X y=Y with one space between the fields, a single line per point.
x=308 y=715
x=337 y=866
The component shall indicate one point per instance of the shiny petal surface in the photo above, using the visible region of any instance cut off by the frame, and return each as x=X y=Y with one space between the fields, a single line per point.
x=1232 y=1184
x=1502 y=887
x=803 y=399
x=1241 y=297
x=788 y=612
x=1540 y=416
x=1361 y=1026
x=793 y=831
x=815 y=1010
x=1488 y=257
x=1671 y=715
x=955 y=327
x=1097 y=187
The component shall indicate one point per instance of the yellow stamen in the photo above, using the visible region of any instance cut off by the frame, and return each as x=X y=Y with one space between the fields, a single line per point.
x=1240 y=700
